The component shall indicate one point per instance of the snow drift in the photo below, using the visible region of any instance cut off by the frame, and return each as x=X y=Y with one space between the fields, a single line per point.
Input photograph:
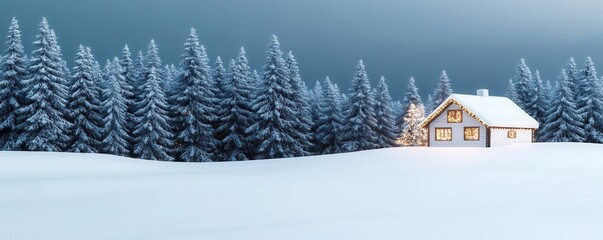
x=532 y=191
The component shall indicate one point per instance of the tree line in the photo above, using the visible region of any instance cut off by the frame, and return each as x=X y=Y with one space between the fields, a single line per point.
x=570 y=110
x=197 y=111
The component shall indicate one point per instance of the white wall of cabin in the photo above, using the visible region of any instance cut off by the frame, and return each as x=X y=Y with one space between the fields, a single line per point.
x=498 y=137
x=458 y=137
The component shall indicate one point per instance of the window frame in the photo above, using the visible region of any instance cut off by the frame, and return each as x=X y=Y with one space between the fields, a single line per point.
x=465 y=135
x=513 y=135
x=454 y=110
x=442 y=128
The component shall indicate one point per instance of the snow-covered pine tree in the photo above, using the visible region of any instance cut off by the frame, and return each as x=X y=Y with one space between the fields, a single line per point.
x=194 y=105
x=97 y=73
x=274 y=131
x=219 y=79
x=573 y=74
x=340 y=96
x=329 y=133
x=256 y=82
x=590 y=103
x=545 y=97
x=360 y=124
x=172 y=71
x=236 y=111
x=411 y=96
x=42 y=121
x=139 y=70
x=563 y=123
x=65 y=75
x=301 y=105
x=542 y=103
x=510 y=93
x=115 y=137
x=316 y=99
x=442 y=92
x=396 y=107
x=550 y=90
x=139 y=66
x=429 y=105
x=386 y=128
x=152 y=129
x=525 y=90
x=13 y=71
x=129 y=73
x=129 y=91
x=84 y=105
x=169 y=79
x=412 y=132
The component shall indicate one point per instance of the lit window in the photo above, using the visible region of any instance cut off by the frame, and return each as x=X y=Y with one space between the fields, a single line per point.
x=455 y=116
x=443 y=134
x=512 y=134
x=471 y=133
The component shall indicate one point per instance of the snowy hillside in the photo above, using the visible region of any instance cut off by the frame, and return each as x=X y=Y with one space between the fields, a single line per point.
x=535 y=191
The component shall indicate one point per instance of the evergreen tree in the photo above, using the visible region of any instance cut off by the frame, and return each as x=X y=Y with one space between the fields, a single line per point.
x=219 y=79
x=571 y=69
x=128 y=89
x=429 y=105
x=42 y=121
x=13 y=71
x=84 y=105
x=511 y=91
x=115 y=138
x=316 y=99
x=412 y=132
x=563 y=123
x=139 y=67
x=129 y=73
x=97 y=74
x=274 y=130
x=301 y=105
x=193 y=105
x=386 y=128
x=139 y=70
x=543 y=102
x=236 y=111
x=255 y=82
x=550 y=91
x=411 y=96
x=361 y=124
x=152 y=129
x=396 y=107
x=169 y=81
x=525 y=90
x=442 y=92
x=329 y=133
x=590 y=103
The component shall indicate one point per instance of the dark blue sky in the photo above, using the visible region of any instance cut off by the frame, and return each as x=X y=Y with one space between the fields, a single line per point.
x=478 y=42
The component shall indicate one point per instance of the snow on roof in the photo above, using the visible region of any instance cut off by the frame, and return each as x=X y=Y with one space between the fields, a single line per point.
x=490 y=110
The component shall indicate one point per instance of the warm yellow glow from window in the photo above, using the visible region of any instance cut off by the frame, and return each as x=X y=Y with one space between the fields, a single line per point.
x=443 y=134
x=512 y=134
x=455 y=116
x=471 y=133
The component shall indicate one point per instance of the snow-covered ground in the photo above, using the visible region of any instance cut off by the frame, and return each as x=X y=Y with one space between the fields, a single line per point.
x=533 y=191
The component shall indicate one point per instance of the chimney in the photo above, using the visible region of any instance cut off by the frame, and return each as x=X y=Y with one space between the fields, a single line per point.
x=482 y=92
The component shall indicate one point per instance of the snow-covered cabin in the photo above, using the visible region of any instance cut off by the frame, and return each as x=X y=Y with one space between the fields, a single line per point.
x=478 y=121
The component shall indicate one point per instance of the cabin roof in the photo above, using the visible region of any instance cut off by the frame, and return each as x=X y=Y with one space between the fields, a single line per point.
x=491 y=111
